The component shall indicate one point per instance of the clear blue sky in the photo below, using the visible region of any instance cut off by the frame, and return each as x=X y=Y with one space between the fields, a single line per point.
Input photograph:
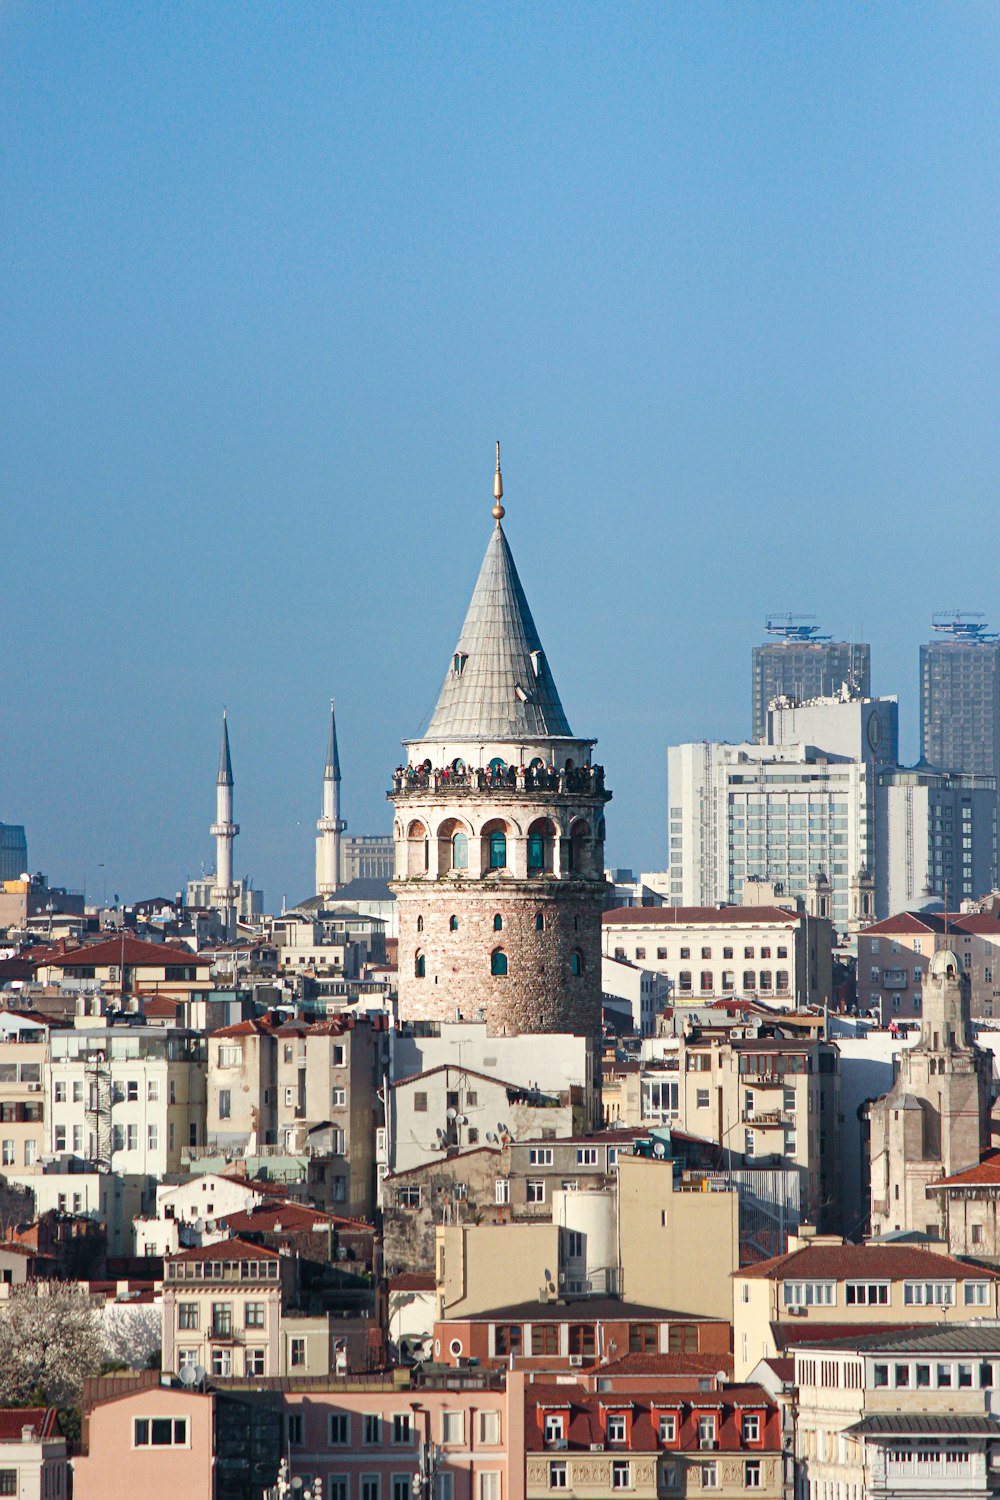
x=272 y=279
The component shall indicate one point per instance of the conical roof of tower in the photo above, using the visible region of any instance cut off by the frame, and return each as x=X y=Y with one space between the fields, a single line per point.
x=331 y=771
x=499 y=686
x=225 y=776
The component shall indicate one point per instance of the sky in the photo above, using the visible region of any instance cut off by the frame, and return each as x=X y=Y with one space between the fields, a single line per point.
x=273 y=279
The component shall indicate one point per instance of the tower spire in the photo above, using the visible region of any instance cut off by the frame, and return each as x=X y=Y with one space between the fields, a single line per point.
x=332 y=769
x=331 y=825
x=224 y=831
x=498 y=510
x=225 y=776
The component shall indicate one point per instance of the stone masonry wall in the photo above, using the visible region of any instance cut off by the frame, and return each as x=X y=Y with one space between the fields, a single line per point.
x=539 y=992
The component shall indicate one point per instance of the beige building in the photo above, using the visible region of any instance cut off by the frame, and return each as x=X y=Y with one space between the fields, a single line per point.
x=677 y=1247
x=23 y=1057
x=825 y=1280
x=706 y=952
x=935 y=1120
x=305 y=1088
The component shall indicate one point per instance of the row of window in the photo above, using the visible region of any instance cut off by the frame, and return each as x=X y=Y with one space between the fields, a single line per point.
x=498 y=963
x=621 y=1475
x=764 y=981
x=878 y=1293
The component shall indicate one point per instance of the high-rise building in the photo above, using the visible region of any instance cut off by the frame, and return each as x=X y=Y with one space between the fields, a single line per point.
x=800 y=664
x=13 y=852
x=960 y=696
x=499 y=832
x=935 y=836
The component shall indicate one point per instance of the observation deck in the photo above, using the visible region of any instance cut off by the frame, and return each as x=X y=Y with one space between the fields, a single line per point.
x=502 y=780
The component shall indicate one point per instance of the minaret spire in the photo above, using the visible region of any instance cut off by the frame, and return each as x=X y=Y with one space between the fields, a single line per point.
x=331 y=825
x=224 y=831
x=498 y=511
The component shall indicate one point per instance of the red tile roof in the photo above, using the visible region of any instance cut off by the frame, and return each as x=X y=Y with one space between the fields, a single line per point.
x=130 y=951
x=288 y=1218
x=667 y=1364
x=837 y=1262
x=937 y=921
x=41 y=1420
x=234 y=1249
x=986 y=1173
x=160 y=1006
x=256 y=1027
x=695 y=916
x=587 y=1414
x=413 y=1281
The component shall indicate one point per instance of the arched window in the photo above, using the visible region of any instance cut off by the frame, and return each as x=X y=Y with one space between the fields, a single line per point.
x=498 y=961
x=748 y=980
x=539 y=922
x=498 y=923
x=684 y=981
x=498 y=850
x=536 y=853
x=420 y=924
x=460 y=852
x=419 y=966
x=452 y=924
x=497 y=768
x=576 y=962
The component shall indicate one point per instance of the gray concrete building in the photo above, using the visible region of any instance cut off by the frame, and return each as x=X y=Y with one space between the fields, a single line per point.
x=798 y=665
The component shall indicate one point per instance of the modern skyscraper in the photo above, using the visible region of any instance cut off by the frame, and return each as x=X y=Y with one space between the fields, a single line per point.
x=960 y=696
x=800 y=664
x=13 y=851
x=499 y=832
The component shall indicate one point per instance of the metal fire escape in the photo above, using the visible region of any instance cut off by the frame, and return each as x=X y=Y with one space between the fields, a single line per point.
x=97 y=1113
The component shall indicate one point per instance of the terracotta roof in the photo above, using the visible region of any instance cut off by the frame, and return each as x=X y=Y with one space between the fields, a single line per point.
x=986 y=1173
x=160 y=1005
x=837 y=1262
x=413 y=1281
x=697 y=916
x=41 y=1420
x=256 y=1027
x=937 y=921
x=234 y=1249
x=131 y=951
x=288 y=1217
x=587 y=1414
x=668 y=1364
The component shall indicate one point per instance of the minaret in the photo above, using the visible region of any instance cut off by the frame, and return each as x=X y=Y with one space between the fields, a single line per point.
x=499 y=831
x=224 y=830
x=331 y=825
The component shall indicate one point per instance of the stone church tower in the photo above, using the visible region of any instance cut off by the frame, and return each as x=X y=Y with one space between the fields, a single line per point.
x=499 y=832
x=936 y=1118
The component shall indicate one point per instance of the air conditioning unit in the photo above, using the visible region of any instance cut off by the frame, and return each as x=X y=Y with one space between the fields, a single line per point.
x=576 y=1360
x=558 y=1442
x=707 y=1443
x=597 y=1447
x=34 y=1088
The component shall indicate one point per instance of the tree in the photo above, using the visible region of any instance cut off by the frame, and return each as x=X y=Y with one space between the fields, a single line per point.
x=50 y=1340
x=133 y=1335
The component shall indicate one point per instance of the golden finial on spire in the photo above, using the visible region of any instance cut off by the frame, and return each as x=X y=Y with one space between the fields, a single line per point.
x=498 y=510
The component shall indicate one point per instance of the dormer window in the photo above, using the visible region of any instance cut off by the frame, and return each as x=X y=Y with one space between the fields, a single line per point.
x=617 y=1429
x=458 y=662
x=536 y=663
x=555 y=1427
x=519 y=693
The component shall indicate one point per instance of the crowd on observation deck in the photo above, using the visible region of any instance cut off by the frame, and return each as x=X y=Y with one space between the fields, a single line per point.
x=498 y=776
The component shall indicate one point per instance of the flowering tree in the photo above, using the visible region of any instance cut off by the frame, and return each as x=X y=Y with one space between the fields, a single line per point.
x=50 y=1339
x=133 y=1335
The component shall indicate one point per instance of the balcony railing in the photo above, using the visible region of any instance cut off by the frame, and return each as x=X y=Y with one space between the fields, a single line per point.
x=579 y=780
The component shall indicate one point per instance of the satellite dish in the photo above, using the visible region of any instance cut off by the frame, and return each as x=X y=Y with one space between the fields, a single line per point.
x=659 y=1149
x=188 y=1375
x=451 y=1113
x=210 y=1225
x=461 y=1119
x=199 y=1226
x=200 y=1373
x=548 y=1275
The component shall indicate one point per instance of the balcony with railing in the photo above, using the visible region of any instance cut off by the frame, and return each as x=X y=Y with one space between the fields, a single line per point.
x=582 y=781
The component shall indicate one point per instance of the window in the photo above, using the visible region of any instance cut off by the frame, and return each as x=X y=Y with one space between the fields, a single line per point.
x=498 y=850
x=643 y=1338
x=507 y=1338
x=582 y=1338
x=667 y=1427
x=371 y=1485
x=929 y=1293
x=338 y=1098
x=420 y=1103
x=557 y=1476
x=131 y=1137
x=60 y=1093
x=540 y=1156
x=867 y=1294
x=296 y=1436
x=535 y=1190
x=617 y=1431
x=586 y=1156
x=881 y=1375
x=621 y=1474
x=683 y=1338
x=576 y=963
x=153 y=1090
x=502 y=1190
x=402 y=1429
x=539 y=922
x=751 y=1427
x=452 y=924
x=710 y=1476
x=544 y=1339
x=60 y=1142
x=225 y=1104
x=222 y=1319
x=706 y=1428
x=489 y=1428
x=254 y=1362
x=489 y=1485
x=187 y=1315
x=752 y=1474
x=297 y=1353
x=253 y=1315
x=409 y=1196
x=554 y=1427
x=498 y=962
x=809 y=1293
x=453 y=1427
x=976 y=1292
x=460 y=852
x=420 y=966
x=158 y=1432
x=152 y=1137
x=371 y=1434
x=701 y=1098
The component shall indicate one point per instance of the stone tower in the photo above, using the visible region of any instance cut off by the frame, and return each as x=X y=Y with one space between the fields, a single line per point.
x=499 y=832
x=935 y=1120
x=331 y=825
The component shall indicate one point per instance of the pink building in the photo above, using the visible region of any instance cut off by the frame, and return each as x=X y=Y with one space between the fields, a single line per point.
x=152 y=1440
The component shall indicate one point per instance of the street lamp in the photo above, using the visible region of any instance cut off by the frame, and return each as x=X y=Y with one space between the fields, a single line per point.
x=428 y=1459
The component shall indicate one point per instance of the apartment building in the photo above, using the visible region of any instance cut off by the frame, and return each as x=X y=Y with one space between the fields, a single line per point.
x=776 y=954
x=899 y=1412
x=23 y=1057
x=826 y=1280
x=128 y=1099
x=33 y=1462
x=126 y=967
x=894 y=956
x=724 y=1442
